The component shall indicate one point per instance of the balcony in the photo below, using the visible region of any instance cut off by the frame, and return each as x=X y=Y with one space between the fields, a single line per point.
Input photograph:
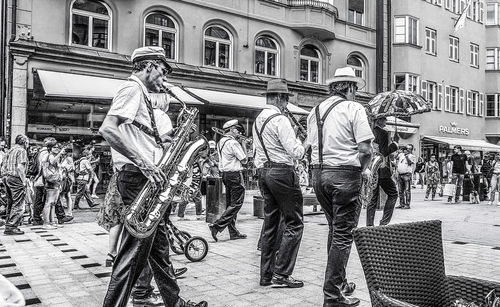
x=308 y=17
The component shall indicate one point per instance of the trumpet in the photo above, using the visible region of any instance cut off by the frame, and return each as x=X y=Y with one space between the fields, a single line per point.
x=240 y=137
x=301 y=130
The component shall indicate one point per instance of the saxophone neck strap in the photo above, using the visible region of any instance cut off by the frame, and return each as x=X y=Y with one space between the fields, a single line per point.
x=259 y=133
x=221 y=147
x=320 y=120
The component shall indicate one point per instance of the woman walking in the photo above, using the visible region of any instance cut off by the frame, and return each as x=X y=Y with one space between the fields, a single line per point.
x=495 y=179
x=51 y=172
x=68 y=179
x=432 y=174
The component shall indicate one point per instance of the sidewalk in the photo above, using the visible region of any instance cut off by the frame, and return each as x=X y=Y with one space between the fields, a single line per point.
x=65 y=267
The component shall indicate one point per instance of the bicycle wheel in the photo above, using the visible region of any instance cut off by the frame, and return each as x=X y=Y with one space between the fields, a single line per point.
x=196 y=249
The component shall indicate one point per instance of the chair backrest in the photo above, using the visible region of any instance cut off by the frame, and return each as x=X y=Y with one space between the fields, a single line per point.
x=404 y=261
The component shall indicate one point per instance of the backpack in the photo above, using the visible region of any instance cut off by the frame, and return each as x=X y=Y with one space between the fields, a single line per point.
x=50 y=172
x=78 y=170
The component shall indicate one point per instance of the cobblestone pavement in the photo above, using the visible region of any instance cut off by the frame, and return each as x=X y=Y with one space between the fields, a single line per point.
x=65 y=267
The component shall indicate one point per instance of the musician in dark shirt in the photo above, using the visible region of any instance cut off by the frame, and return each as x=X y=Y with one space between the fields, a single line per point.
x=458 y=169
x=385 y=180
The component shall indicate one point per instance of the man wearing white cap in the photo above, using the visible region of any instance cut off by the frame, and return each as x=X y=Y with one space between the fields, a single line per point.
x=231 y=157
x=340 y=138
x=276 y=148
x=131 y=130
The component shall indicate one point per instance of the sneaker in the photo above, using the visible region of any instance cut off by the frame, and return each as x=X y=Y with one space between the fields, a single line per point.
x=152 y=300
x=192 y=304
x=13 y=232
x=49 y=227
x=490 y=203
x=179 y=272
x=56 y=225
x=66 y=219
x=2 y=222
x=94 y=196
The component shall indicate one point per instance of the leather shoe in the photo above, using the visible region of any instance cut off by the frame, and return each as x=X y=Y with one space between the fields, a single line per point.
x=288 y=281
x=180 y=271
x=213 y=231
x=265 y=281
x=238 y=236
x=342 y=302
x=13 y=232
x=65 y=219
x=200 y=304
x=348 y=288
x=152 y=300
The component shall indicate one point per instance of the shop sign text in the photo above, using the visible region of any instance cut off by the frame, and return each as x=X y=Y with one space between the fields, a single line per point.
x=453 y=129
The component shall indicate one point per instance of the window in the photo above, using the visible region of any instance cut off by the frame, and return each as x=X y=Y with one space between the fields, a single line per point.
x=474 y=55
x=438 y=2
x=453 y=50
x=266 y=56
x=90 y=24
x=454 y=99
x=472 y=103
x=432 y=96
x=356 y=12
x=492 y=58
x=217 y=47
x=406 y=30
x=310 y=64
x=430 y=41
x=491 y=13
x=161 y=30
x=407 y=82
x=492 y=105
x=358 y=65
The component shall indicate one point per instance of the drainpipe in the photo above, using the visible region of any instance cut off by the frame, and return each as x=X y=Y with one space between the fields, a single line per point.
x=389 y=45
x=10 y=65
x=379 y=51
x=3 y=49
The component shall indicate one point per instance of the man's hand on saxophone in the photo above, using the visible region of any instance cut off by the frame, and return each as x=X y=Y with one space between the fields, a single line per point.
x=154 y=174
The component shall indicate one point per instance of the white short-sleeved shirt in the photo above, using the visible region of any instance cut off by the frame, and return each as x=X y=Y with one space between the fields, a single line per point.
x=230 y=154
x=129 y=103
x=345 y=127
x=279 y=139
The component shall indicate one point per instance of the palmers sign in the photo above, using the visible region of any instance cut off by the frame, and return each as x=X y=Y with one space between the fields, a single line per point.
x=453 y=129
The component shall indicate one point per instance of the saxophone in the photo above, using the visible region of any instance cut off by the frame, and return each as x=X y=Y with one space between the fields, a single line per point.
x=369 y=185
x=148 y=208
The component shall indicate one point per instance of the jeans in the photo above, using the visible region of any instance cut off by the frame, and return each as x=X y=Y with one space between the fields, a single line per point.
x=280 y=189
x=338 y=191
x=235 y=194
x=16 y=192
x=83 y=191
x=404 y=182
x=183 y=204
x=495 y=186
x=389 y=187
x=134 y=254
x=457 y=179
x=39 y=203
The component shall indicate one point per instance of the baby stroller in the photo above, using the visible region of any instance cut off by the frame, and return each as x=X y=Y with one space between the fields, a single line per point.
x=181 y=242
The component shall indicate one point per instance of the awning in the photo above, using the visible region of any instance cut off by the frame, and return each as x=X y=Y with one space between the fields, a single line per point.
x=239 y=100
x=464 y=143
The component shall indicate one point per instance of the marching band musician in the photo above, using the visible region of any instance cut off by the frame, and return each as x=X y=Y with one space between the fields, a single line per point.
x=276 y=147
x=130 y=129
x=385 y=180
x=231 y=157
x=340 y=138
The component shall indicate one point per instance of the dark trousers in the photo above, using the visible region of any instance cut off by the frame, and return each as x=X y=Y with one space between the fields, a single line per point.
x=183 y=204
x=389 y=187
x=283 y=199
x=404 y=182
x=235 y=194
x=39 y=203
x=143 y=287
x=82 y=191
x=338 y=192
x=457 y=179
x=134 y=254
x=16 y=192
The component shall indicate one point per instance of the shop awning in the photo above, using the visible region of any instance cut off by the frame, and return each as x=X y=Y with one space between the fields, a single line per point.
x=66 y=85
x=466 y=144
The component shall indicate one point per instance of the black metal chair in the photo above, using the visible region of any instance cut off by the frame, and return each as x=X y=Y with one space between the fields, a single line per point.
x=404 y=266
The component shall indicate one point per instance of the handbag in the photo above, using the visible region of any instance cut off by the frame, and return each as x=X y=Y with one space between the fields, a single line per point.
x=50 y=172
x=449 y=189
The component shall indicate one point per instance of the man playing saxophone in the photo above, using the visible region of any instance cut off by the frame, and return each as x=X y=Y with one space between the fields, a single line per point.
x=130 y=129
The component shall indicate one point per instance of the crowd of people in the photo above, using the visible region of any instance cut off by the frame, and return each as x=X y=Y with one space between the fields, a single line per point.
x=38 y=182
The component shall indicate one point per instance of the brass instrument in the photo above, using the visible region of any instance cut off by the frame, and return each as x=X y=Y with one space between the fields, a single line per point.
x=369 y=185
x=148 y=208
x=240 y=137
x=301 y=130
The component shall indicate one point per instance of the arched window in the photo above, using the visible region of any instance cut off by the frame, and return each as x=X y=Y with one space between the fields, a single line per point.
x=90 y=24
x=266 y=56
x=358 y=65
x=161 y=30
x=310 y=64
x=217 y=44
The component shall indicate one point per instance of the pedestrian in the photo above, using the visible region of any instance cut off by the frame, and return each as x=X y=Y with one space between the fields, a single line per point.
x=432 y=176
x=84 y=172
x=405 y=167
x=385 y=181
x=68 y=179
x=420 y=172
x=14 y=167
x=486 y=172
x=133 y=151
x=52 y=178
x=459 y=166
x=495 y=179
x=340 y=138
x=276 y=148
x=231 y=157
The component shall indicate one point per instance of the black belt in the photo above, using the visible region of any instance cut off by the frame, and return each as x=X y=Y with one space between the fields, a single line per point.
x=338 y=168
x=270 y=164
x=131 y=168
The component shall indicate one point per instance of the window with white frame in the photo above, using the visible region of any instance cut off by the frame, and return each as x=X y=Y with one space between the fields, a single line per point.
x=355 y=13
x=161 y=30
x=357 y=64
x=406 y=30
x=474 y=55
x=492 y=105
x=217 y=49
x=90 y=24
x=481 y=12
x=310 y=66
x=430 y=41
x=454 y=99
x=472 y=103
x=266 y=56
x=453 y=49
x=492 y=14
x=432 y=96
x=407 y=82
x=438 y=2
x=492 y=58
